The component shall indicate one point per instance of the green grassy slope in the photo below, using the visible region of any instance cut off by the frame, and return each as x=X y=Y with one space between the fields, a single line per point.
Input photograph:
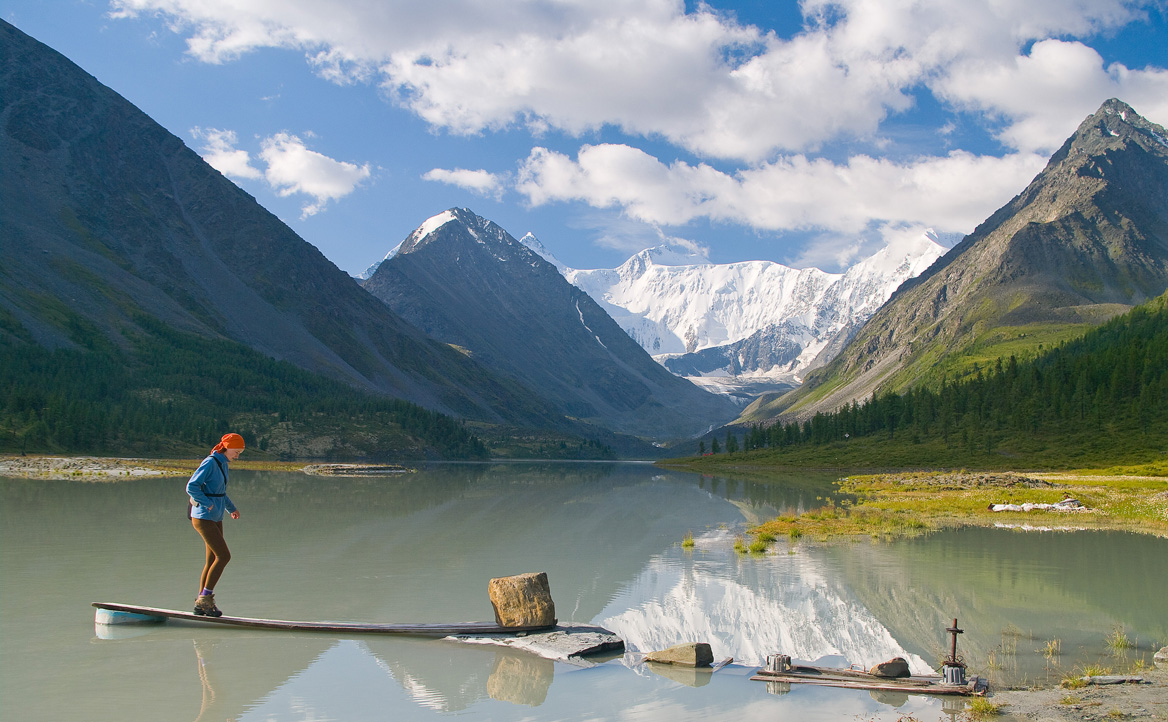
x=1098 y=400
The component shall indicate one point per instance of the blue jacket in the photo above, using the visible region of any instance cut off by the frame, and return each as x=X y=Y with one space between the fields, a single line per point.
x=208 y=489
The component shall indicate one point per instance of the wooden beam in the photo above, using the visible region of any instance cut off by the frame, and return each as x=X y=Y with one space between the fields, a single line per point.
x=425 y=629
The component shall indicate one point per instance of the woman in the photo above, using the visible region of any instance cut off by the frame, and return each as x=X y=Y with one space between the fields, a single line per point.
x=208 y=492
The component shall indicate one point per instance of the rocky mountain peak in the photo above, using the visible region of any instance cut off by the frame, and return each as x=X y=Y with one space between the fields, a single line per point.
x=465 y=281
x=455 y=223
x=1114 y=124
x=1086 y=240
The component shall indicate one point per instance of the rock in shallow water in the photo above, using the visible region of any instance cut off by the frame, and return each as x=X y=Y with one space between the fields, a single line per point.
x=694 y=654
x=895 y=667
x=564 y=643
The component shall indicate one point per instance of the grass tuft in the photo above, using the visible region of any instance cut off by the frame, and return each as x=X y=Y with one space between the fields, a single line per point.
x=688 y=541
x=980 y=708
x=1052 y=648
x=1118 y=641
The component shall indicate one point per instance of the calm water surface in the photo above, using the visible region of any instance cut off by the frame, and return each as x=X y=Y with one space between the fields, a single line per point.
x=421 y=548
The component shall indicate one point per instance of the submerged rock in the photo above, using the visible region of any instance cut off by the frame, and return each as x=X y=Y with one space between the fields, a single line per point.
x=694 y=654
x=564 y=643
x=895 y=667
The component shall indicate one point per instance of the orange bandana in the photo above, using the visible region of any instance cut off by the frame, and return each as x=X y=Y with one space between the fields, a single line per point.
x=229 y=441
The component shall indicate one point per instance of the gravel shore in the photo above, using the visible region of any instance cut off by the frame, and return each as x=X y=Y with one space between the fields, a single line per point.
x=85 y=468
x=1147 y=701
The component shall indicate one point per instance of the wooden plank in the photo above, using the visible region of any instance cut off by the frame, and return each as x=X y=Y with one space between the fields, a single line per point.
x=851 y=679
x=937 y=688
x=811 y=672
x=426 y=630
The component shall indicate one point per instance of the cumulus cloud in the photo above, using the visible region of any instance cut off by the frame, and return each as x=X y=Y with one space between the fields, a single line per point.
x=1047 y=92
x=698 y=78
x=837 y=252
x=221 y=154
x=753 y=107
x=293 y=168
x=952 y=192
x=482 y=182
x=620 y=233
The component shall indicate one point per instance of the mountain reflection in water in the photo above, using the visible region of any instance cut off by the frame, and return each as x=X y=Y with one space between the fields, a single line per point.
x=422 y=547
x=747 y=608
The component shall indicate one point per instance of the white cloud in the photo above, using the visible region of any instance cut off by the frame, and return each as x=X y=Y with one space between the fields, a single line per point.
x=837 y=252
x=482 y=182
x=951 y=193
x=698 y=79
x=703 y=82
x=221 y=154
x=1047 y=93
x=293 y=168
x=620 y=233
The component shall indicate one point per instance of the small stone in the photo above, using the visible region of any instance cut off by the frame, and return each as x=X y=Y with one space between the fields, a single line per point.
x=694 y=654
x=1161 y=657
x=895 y=667
x=524 y=600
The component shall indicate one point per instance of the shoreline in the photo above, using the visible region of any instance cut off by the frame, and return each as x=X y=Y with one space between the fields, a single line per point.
x=107 y=468
x=1094 y=702
x=905 y=504
x=89 y=468
x=111 y=469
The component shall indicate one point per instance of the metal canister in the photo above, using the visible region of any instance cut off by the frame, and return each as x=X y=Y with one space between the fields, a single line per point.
x=953 y=674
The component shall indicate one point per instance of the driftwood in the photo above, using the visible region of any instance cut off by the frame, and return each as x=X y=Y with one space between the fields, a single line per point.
x=1114 y=679
x=853 y=679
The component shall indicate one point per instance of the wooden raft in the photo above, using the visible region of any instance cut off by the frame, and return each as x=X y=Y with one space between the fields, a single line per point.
x=853 y=679
x=423 y=630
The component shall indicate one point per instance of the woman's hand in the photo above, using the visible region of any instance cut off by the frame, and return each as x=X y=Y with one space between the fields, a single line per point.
x=235 y=515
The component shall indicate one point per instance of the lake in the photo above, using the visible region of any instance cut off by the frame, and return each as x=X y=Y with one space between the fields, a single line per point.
x=421 y=547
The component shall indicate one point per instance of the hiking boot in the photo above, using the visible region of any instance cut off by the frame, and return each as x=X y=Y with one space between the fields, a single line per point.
x=205 y=606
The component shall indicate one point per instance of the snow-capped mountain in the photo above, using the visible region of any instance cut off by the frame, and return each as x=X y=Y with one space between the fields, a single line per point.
x=719 y=323
x=368 y=272
x=465 y=281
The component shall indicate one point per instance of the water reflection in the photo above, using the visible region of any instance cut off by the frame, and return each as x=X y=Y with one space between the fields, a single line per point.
x=689 y=676
x=749 y=607
x=520 y=679
x=421 y=548
x=1033 y=604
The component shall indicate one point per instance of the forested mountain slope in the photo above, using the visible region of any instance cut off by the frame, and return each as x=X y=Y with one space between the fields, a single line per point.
x=1098 y=399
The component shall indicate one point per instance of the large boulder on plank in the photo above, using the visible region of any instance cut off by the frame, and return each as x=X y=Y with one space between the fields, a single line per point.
x=895 y=667
x=694 y=654
x=524 y=600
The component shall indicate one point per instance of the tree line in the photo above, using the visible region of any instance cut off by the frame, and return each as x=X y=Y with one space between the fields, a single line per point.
x=1112 y=380
x=173 y=388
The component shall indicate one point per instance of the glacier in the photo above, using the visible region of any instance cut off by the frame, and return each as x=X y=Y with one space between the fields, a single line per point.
x=763 y=320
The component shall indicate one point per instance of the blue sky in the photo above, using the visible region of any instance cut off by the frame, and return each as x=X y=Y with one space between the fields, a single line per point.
x=806 y=133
